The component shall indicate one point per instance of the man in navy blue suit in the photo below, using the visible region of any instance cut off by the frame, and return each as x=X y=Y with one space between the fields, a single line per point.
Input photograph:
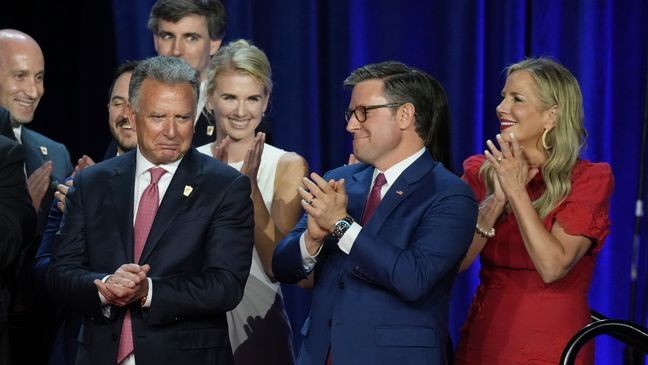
x=157 y=297
x=46 y=162
x=384 y=237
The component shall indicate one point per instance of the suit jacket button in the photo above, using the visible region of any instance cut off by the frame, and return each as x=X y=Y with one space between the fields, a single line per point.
x=341 y=284
x=115 y=337
x=329 y=323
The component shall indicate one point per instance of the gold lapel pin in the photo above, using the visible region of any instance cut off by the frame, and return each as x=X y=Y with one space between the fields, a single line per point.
x=210 y=130
x=187 y=190
x=43 y=150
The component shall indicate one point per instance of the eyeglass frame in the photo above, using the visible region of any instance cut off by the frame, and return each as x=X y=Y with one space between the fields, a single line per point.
x=349 y=113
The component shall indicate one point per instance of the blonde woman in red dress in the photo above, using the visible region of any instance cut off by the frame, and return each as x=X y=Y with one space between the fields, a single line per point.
x=542 y=221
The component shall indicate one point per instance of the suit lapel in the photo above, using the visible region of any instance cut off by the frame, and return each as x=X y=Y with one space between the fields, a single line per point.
x=358 y=190
x=122 y=185
x=187 y=175
x=400 y=190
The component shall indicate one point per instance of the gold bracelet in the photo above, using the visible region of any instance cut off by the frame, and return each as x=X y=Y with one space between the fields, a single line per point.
x=490 y=233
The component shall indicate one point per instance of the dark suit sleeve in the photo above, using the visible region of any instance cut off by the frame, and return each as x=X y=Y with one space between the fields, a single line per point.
x=13 y=201
x=287 y=265
x=218 y=287
x=68 y=277
x=435 y=248
x=44 y=254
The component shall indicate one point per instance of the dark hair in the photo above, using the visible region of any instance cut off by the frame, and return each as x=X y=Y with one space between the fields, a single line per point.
x=174 y=10
x=168 y=70
x=403 y=84
x=127 y=66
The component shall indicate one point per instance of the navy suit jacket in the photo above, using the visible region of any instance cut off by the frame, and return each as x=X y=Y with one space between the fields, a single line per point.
x=386 y=302
x=14 y=204
x=17 y=218
x=5 y=124
x=199 y=250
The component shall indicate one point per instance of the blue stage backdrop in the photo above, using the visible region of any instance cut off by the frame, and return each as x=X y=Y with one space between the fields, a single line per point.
x=313 y=45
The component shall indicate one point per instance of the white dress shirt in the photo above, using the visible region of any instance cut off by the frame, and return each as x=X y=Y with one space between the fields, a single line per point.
x=346 y=242
x=142 y=181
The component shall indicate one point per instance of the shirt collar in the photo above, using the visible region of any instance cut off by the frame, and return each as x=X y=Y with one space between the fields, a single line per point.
x=392 y=173
x=18 y=133
x=142 y=164
x=202 y=99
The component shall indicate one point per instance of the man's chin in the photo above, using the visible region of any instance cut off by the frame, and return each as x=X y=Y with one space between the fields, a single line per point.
x=21 y=121
x=170 y=157
x=126 y=148
x=124 y=144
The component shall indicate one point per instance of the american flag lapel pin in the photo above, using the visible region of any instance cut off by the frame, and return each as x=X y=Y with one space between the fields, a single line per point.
x=43 y=150
x=187 y=190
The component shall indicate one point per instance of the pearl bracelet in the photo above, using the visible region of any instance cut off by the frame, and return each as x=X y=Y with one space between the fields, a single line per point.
x=484 y=232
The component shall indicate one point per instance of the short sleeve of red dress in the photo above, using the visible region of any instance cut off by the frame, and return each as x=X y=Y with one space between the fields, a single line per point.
x=585 y=211
x=472 y=177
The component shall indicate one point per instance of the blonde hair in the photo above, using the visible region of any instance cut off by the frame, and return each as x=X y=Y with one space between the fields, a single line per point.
x=244 y=57
x=556 y=86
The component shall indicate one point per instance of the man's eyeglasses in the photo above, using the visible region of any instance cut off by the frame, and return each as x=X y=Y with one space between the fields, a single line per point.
x=360 y=111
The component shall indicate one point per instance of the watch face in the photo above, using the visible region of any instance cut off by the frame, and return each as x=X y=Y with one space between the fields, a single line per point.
x=341 y=227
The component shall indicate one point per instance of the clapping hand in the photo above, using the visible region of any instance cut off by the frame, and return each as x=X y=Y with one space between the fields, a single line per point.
x=82 y=163
x=38 y=183
x=62 y=189
x=252 y=159
x=126 y=285
x=511 y=166
x=219 y=151
x=325 y=203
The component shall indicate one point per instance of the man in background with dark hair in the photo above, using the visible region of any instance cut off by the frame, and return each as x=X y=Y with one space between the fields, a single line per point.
x=192 y=30
x=123 y=135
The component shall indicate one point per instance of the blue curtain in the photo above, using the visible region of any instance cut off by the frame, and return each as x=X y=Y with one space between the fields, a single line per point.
x=313 y=45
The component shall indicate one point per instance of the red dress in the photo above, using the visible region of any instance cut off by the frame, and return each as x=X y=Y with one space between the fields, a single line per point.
x=515 y=318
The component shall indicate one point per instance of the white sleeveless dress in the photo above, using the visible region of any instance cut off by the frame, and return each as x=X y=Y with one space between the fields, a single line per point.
x=259 y=328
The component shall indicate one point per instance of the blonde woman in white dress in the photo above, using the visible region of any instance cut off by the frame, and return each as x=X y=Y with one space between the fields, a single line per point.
x=239 y=87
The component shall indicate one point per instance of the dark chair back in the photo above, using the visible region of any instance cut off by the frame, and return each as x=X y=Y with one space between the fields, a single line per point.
x=632 y=334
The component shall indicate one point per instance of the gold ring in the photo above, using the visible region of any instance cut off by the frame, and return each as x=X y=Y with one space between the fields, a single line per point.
x=499 y=159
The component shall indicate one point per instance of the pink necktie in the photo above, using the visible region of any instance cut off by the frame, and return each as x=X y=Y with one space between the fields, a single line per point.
x=146 y=210
x=374 y=198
